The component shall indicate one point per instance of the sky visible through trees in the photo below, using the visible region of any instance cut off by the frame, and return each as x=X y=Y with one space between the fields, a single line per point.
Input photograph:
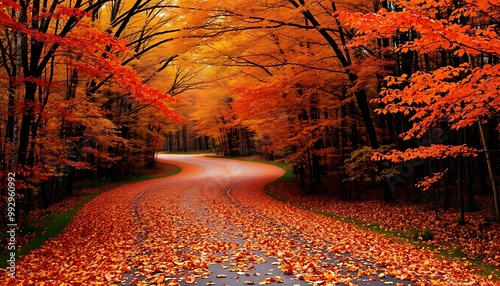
x=395 y=101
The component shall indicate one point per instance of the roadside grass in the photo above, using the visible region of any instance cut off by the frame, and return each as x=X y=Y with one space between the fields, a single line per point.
x=54 y=223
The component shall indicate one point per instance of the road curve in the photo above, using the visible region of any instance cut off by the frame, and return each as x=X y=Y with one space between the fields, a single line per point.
x=213 y=223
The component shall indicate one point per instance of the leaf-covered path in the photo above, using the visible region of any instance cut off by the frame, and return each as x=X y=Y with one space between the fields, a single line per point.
x=213 y=225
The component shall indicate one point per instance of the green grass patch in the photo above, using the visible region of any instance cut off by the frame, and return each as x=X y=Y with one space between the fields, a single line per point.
x=53 y=224
x=145 y=177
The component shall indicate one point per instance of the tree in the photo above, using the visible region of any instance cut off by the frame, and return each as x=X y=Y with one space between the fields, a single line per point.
x=62 y=52
x=461 y=91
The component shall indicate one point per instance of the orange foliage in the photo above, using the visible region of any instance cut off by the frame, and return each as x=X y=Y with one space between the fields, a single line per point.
x=458 y=93
x=426 y=152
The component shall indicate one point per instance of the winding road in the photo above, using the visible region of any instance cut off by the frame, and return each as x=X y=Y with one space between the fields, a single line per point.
x=226 y=231
x=212 y=224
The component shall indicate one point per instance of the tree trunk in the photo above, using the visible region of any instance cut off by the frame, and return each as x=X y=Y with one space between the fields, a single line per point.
x=496 y=199
x=469 y=176
x=184 y=138
x=26 y=123
x=461 y=220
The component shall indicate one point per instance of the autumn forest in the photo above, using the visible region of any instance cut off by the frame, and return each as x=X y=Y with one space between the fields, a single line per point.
x=378 y=111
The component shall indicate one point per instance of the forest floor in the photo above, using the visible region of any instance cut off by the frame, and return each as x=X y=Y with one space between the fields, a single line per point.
x=212 y=224
x=478 y=239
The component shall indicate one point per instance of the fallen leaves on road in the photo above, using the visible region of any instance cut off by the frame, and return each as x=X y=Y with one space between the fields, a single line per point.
x=174 y=231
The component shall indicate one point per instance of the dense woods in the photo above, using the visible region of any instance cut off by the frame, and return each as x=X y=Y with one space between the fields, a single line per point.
x=80 y=93
x=394 y=96
x=394 y=100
